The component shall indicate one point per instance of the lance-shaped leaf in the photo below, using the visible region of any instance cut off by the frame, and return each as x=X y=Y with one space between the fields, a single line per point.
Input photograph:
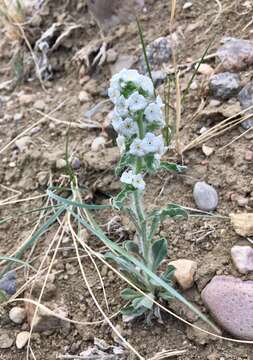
x=159 y=252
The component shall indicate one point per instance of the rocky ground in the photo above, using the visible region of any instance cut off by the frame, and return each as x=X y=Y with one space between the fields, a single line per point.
x=214 y=257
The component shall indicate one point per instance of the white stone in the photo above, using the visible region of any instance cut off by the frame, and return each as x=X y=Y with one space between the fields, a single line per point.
x=83 y=97
x=242 y=223
x=98 y=143
x=17 y=315
x=22 y=339
x=243 y=258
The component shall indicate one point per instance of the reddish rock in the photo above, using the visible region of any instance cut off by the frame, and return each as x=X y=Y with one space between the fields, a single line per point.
x=230 y=301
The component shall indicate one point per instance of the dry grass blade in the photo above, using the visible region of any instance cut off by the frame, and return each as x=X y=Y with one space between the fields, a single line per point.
x=166 y=354
x=219 y=129
x=11 y=202
x=220 y=10
x=236 y=138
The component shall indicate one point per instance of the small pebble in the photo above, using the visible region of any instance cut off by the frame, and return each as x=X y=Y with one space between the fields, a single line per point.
x=111 y=56
x=39 y=105
x=205 y=69
x=60 y=163
x=187 y=5
x=8 y=282
x=17 y=315
x=22 y=339
x=207 y=150
x=98 y=143
x=6 y=341
x=205 y=196
x=83 y=97
x=18 y=117
x=243 y=258
x=248 y=155
x=185 y=271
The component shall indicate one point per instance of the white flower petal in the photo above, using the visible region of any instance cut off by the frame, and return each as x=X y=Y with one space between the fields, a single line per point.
x=136 y=102
x=146 y=84
x=121 y=143
x=121 y=106
x=129 y=127
x=127 y=177
x=138 y=182
x=137 y=148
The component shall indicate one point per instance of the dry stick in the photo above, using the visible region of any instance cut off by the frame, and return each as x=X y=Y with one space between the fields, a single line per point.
x=167 y=354
x=32 y=126
x=91 y=125
x=5 y=202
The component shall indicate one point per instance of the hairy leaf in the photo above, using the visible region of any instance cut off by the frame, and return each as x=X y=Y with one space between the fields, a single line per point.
x=172 y=167
x=159 y=252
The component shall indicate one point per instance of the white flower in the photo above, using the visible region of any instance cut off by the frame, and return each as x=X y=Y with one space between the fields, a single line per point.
x=161 y=148
x=159 y=102
x=146 y=84
x=114 y=92
x=128 y=127
x=151 y=143
x=153 y=113
x=117 y=122
x=121 y=143
x=138 y=182
x=137 y=148
x=127 y=177
x=136 y=102
x=129 y=76
x=121 y=106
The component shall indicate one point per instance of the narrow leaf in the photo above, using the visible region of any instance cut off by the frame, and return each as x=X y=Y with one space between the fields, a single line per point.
x=172 y=167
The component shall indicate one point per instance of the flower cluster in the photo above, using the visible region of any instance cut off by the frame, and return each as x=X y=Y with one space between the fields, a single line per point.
x=137 y=115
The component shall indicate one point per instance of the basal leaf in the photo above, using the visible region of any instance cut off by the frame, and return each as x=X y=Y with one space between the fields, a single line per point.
x=172 y=167
x=132 y=247
x=129 y=294
x=159 y=252
x=173 y=211
x=143 y=301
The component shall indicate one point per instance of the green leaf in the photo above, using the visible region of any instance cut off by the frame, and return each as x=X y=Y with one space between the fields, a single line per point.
x=173 y=211
x=129 y=294
x=159 y=252
x=117 y=202
x=172 y=167
x=131 y=311
x=132 y=247
x=124 y=162
x=167 y=275
x=143 y=301
x=165 y=295
x=151 y=163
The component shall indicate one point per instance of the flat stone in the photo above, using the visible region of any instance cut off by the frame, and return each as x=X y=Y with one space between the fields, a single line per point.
x=98 y=143
x=242 y=223
x=243 y=258
x=17 y=315
x=230 y=302
x=83 y=97
x=224 y=85
x=6 y=341
x=185 y=270
x=207 y=150
x=22 y=339
x=235 y=54
x=246 y=100
x=205 y=196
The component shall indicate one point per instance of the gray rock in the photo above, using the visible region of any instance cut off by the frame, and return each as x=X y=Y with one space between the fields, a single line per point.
x=224 y=85
x=205 y=196
x=8 y=283
x=235 y=54
x=246 y=100
x=243 y=258
x=158 y=52
x=230 y=301
x=6 y=341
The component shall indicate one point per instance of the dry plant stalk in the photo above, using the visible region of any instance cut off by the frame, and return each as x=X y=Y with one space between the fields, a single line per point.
x=12 y=12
